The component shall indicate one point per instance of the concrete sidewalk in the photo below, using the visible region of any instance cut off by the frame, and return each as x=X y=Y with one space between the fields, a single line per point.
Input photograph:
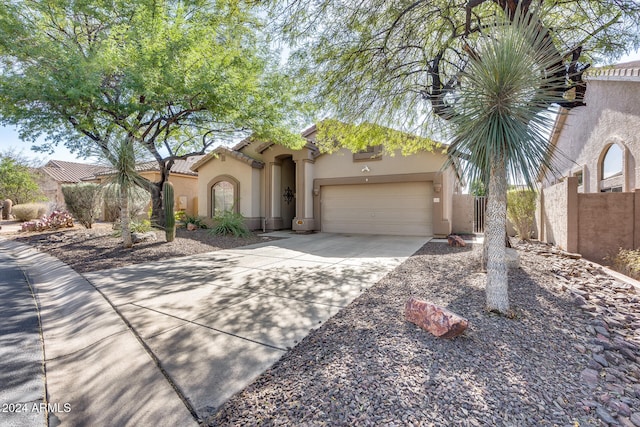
x=170 y=341
x=97 y=372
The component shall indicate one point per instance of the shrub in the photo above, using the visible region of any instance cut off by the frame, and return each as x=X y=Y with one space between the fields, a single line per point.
x=18 y=181
x=83 y=201
x=230 y=223
x=193 y=219
x=54 y=221
x=521 y=209
x=627 y=262
x=140 y=226
x=29 y=211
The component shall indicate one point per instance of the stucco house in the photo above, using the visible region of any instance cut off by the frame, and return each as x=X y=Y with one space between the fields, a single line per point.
x=56 y=173
x=275 y=187
x=589 y=202
x=598 y=143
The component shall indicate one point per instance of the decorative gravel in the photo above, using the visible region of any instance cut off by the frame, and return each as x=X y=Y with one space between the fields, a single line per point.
x=569 y=357
x=99 y=248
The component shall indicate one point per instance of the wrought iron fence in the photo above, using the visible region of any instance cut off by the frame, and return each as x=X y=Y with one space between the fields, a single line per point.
x=479 y=208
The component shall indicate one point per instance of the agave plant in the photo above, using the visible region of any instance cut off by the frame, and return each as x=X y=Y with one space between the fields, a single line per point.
x=502 y=124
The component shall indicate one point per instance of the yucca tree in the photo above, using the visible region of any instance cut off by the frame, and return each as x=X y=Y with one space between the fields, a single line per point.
x=501 y=126
x=121 y=154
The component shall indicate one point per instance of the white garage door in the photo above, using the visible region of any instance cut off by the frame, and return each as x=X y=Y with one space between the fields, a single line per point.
x=398 y=209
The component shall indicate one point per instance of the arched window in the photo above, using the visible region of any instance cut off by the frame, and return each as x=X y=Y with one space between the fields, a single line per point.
x=612 y=162
x=222 y=197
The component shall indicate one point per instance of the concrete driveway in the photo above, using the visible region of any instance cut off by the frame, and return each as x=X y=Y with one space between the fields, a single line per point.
x=216 y=321
x=205 y=325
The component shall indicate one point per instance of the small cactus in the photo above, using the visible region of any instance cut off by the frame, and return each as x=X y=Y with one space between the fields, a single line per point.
x=169 y=216
x=6 y=209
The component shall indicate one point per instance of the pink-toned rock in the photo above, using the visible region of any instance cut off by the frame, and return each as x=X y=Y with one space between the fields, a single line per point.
x=437 y=320
x=456 y=241
x=191 y=227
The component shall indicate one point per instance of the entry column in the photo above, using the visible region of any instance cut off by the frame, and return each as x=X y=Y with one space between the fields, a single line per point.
x=304 y=220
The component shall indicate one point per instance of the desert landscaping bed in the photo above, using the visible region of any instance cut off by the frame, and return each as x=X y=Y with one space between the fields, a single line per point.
x=99 y=248
x=570 y=356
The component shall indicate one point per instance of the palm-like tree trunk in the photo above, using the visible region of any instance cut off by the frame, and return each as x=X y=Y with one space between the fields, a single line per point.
x=125 y=218
x=497 y=281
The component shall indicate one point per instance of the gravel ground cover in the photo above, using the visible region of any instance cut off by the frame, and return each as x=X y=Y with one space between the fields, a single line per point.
x=570 y=357
x=98 y=248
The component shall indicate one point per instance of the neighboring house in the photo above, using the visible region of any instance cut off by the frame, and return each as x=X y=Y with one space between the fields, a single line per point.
x=56 y=173
x=597 y=150
x=275 y=188
x=184 y=180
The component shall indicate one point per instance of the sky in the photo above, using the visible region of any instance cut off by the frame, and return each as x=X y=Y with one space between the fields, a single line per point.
x=9 y=139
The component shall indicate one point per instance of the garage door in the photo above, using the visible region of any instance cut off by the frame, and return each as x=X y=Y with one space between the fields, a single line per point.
x=398 y=209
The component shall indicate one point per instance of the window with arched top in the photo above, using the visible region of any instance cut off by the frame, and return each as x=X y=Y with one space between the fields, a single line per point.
x=613 y=162
x=222 y=197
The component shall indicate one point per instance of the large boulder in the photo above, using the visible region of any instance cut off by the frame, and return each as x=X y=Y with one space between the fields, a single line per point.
x=144 y=237
x=456 y=241
x=437 y=320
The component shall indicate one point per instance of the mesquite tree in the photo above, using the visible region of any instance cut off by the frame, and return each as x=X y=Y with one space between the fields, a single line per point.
x=175 y=77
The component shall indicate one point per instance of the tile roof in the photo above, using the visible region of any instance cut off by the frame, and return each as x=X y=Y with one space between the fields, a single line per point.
x=62 y=171
x=233 y=153
x=181 y=166
x=627 y=71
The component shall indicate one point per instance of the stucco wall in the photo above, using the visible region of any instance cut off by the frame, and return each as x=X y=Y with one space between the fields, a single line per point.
x=245 y=174
x=599 y=238
x=183 y=185
x=51 y=189
x=555 y=208
x=595 y=225
x=612 y=115
x=341 y=164
x=462 y=215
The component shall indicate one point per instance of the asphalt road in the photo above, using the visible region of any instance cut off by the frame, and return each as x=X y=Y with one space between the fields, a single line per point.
x=22 y=384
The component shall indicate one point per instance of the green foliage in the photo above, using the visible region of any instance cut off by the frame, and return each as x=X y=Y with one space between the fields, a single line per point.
x=174 y=78
x=83 y=201
x=333 y=134
x=521 y=209
x=478 y=188
x=230 y=223
x=169 y=215
x=141 y=226
x=503 y=97
x=17 y=181
x=29 y=211
x=193 y=219
x=391 y=63
x=627 y=262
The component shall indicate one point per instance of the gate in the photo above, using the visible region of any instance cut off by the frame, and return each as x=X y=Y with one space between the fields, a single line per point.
x=479 y=208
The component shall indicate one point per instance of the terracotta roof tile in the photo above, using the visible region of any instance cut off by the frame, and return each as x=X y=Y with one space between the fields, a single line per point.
x=179 y=166
x=62 y=171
